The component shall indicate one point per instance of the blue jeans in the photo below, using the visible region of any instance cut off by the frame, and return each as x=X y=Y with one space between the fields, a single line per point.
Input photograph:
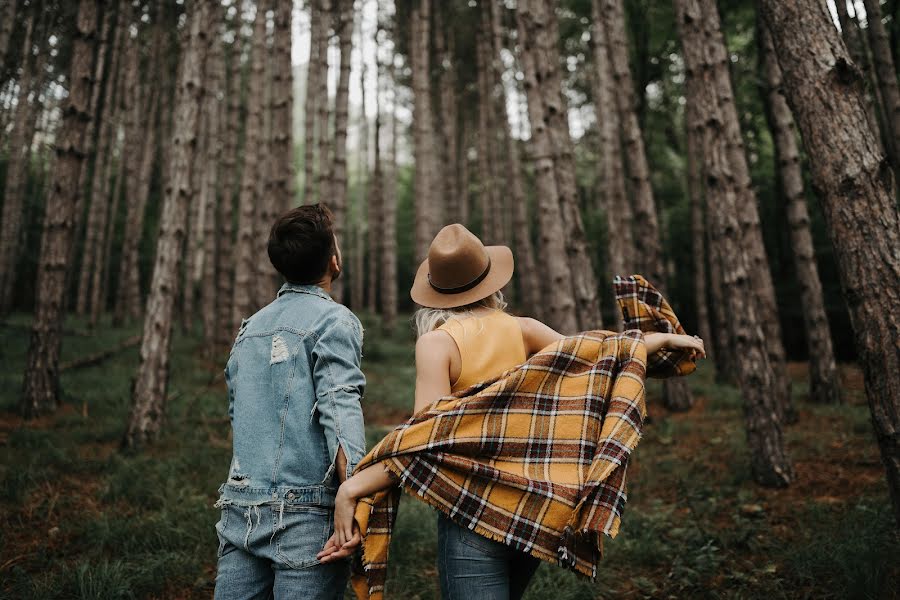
x=473 y=567
x=269 y=552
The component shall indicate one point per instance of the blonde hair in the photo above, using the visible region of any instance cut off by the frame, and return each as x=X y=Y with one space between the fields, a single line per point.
x=429 y=319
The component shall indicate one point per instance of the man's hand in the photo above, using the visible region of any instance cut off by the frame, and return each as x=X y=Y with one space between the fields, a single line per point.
x=691 y=343
x=346 y=535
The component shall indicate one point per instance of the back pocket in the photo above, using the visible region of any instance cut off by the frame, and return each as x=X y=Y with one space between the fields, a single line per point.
x=301 y=535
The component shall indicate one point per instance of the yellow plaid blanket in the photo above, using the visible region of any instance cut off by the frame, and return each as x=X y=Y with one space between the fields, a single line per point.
x=535 y=458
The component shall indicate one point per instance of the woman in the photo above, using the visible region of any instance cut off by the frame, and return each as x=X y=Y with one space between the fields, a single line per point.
x=465 y=337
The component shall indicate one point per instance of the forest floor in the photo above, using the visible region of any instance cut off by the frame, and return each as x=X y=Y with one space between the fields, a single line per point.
x=81 y=519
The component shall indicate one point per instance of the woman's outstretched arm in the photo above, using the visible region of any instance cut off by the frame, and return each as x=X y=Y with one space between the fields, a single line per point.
x=432 y=382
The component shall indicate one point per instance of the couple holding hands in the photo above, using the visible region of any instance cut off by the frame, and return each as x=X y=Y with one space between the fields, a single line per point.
x=520 y=436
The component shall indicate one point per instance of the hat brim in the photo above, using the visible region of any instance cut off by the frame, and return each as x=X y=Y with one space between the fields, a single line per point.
x=502 y=266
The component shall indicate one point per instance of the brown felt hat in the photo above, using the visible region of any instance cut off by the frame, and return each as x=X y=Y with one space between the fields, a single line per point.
x=460 y=270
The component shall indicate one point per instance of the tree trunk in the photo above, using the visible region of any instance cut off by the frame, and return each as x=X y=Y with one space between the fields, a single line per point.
x=855 y=185
x=544 y=31
x=425 y=208
x=388 y=249
x=151 y=381
x=128 y=295
x=323 y=156
x=16 y=174
x=615 y=202
x=487 y=196
x=41 y=388
x=311 y=103
x=98 y=216
x=699 y=250
x=338 y=188
x=559 y=305
x=282 y=110
x=6 y=29
x=246 y=248
x=225 y=269
x=370 y=198
x=449 y=173
x=886 y=74
x=824 y=382
x=211 y=192
x=704 y=56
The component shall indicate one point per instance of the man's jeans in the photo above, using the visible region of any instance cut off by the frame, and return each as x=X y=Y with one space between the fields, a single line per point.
x=472 y=566
x=270 y=551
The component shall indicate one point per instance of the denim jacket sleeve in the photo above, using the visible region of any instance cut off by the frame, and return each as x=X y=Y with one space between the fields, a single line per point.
x=340 y=384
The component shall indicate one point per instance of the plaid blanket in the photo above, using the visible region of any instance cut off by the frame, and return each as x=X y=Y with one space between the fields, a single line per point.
x=536 y=457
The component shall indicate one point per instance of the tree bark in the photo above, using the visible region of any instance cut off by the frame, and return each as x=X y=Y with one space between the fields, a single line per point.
x=886 y=74
x=559 y=304
x=16 y=173
x=699 y=251
x=225 y=270
x=211 y=193
x=427 y=219
x=447 y=81
x=6 y=28
x=151 y=381
x=615 y=203
x=246 y=248
x=41 y=387
x=338 y=187
x=311 y=103
x=705 y=56
x=388 y=250
x=323 y=124
x=98 y=216
x=487 y=195
x=544 y=31
x=855 y=185
x=824 y=381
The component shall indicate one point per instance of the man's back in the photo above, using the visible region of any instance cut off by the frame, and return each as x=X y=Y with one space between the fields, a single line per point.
x=294 y=387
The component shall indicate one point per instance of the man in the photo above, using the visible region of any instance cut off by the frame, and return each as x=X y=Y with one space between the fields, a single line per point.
x=294 y=386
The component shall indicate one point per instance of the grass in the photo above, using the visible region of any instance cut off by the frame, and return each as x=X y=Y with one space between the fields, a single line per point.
x=80 y=519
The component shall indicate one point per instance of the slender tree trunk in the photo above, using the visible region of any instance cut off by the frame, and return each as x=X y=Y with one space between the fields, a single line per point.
x=426 y=218
x=465 y=144
x=98 y=215
x=311 y=103
x=246 y=246
x=41 y=387
x=886 y=74
x=211 y=192
x=615 y=203
x=282 y=109
x=6 y=28
x=193 y=239
x=855 y=185
x=545 y=35
x=449 y=173
x=225 y=270
x=369 y=198
x=560 y=305
x=151 y=381
x=16 y=173
x=338 y=187
x=388 y=250
x=824 y=382
x=487 y=195
x=704 y=54
x=699 y=249
x=324 y=154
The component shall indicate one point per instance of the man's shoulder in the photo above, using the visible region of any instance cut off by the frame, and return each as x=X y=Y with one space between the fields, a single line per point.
x=312 y=313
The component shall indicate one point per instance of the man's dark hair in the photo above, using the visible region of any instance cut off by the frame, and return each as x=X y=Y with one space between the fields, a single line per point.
x=301 y=243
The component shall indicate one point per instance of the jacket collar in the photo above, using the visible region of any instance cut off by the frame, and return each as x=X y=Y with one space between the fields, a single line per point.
x=313 y=290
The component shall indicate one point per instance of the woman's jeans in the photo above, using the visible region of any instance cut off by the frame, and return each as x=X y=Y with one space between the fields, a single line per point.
x=473 y=567
x=266 y=551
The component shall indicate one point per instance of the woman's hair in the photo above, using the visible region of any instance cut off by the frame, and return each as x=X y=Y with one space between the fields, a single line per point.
x=429 y=319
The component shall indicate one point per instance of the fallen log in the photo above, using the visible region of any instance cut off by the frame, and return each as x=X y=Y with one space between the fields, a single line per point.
x=99 y=357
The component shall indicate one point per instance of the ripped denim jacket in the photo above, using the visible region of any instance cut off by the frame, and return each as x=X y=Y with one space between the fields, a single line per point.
x=294 y=387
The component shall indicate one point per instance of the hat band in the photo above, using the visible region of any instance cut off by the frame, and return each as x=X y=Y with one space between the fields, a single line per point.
x=462 y=288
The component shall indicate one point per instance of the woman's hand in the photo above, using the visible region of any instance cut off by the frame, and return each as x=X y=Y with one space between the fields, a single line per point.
x=346 y=535
x=691 y=343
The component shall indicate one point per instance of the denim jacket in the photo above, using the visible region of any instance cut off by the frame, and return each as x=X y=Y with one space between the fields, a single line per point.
x=294 y=388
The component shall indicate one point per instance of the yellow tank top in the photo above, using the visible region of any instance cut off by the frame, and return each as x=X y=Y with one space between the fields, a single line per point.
x=488 y=346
